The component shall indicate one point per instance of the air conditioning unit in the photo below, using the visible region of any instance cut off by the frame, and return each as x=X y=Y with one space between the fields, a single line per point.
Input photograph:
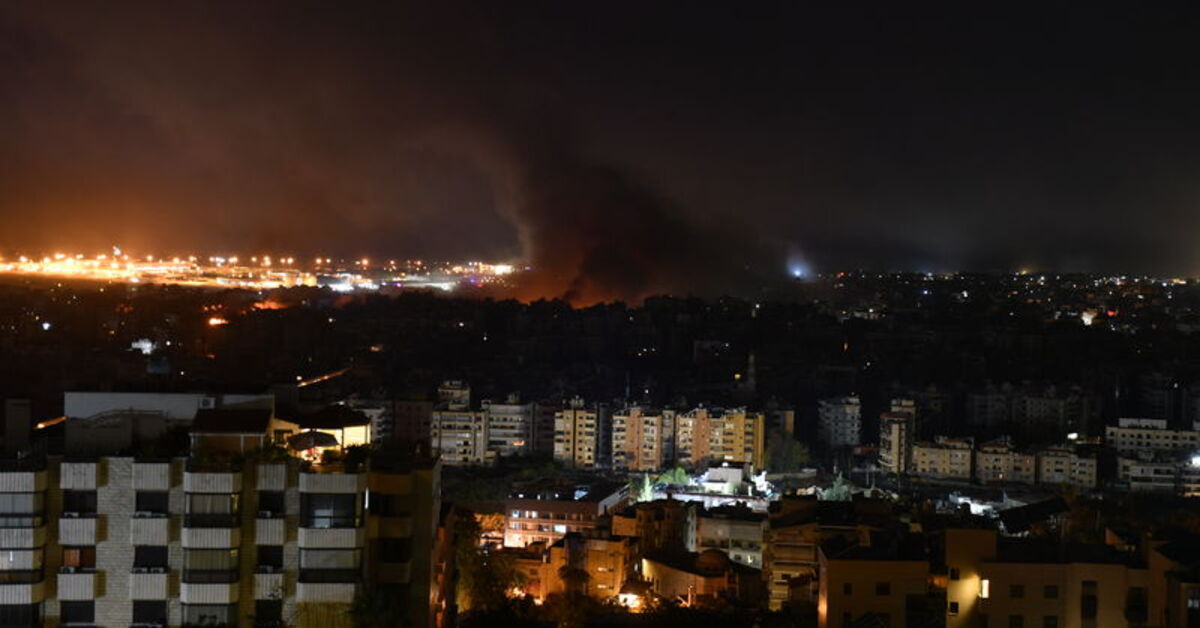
x=266 y=569
x=208 y=403
x=143 y=514
x=158 y=570
x=68 y=570
x=265 y=514
x=70 y=515
x=139 y=570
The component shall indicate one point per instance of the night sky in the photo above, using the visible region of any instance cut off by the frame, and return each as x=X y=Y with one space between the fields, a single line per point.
x=622 y=148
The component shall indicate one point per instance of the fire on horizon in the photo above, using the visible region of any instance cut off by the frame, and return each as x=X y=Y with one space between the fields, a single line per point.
x=259 y=272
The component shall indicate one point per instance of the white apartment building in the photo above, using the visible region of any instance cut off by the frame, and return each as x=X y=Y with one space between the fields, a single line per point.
x=1134 y=435
x=120 y=541
x=839 y=421
x=945 y=458
x=1062 y=465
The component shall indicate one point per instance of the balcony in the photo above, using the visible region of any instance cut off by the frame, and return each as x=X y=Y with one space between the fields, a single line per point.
x=268 y=586
x=212 y=481
x=77 y=530
x=343 y=592
x=351 y=483
x=149 y=584
x=21 y=477
x=151 y=476
x=332 y=538
x=216 y=538
x=271 y=477
x=23 y=537
x=270 y=531
x=153 y=530
x=78 y=475
x=208 y=593
x=76 y=584
x=31 y=592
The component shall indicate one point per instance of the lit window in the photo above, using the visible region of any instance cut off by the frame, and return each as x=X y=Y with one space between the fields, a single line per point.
x=985 y=588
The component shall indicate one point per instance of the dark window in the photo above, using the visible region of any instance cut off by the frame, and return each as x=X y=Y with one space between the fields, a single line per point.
x=210 y=615
x=389 y=505
x=328 y=510
x=20 y=614
x=395 y=550
x=954 y=573
x=883 y=588
x=79 y=502
x=271 y=502
x=150 y=612
x=847 y=588
x=846 y=619
x=1050 y=592
x=1016 y=621
x=330 y=565
x=212 y=510
x=268 y=613
x=1016 y=591
x=270 y=556
x=154 y=502
x=1089 y=601
x=79 y=557
x=1050 y=621
x=150 y=556
x=953 y=608
x=77 y=612
x=210 y=565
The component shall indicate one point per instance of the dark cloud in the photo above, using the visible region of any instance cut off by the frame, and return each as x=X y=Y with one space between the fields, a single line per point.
x=622 y=150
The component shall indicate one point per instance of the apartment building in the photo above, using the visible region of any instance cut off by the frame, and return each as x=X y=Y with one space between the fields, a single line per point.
x=896 y=431
x=509 y=426
x=208 y=540
x=717 y=434
x=1062 y=465
x=997 y=461
x=1133 y=435
x=546 y=514
x=874 y=584
x=839 y=422
x=643 y=439
x=736 y=530
x=945 y=458
x=577 y=435
x=459 y=435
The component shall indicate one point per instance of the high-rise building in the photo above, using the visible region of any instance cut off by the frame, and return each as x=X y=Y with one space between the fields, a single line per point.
x=839 y=421
x=509 y=426
x=643 y=439
x=459 y=436
x=729 y=435
x=576 y=434
x=1149 y=436
x=895 y=441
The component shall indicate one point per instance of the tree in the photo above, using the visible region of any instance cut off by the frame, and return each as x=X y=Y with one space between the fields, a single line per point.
x=484 y=577
x=784 y=453
x=675 y=477
x=378 y=606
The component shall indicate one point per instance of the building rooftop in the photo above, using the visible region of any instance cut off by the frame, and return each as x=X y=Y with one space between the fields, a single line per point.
x=231 y=421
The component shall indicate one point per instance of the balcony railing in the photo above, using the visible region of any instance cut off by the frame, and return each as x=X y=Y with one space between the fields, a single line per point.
x=208 y=520
x=32 y=520
x=329 y=575
x=330 y=521
x=210 y=576
x=21 y=576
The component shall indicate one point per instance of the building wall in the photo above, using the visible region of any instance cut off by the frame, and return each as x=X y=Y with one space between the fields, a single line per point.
x=849 y=590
